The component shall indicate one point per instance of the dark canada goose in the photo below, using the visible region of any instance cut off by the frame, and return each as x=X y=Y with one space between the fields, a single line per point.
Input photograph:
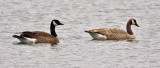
x=109 y=33
x=29 y=37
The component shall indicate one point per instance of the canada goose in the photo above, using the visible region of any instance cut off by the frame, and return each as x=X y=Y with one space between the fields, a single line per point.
x=109 y=33
x=29 y=37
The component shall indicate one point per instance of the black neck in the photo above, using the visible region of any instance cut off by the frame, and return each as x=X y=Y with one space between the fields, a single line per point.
x=52 y=29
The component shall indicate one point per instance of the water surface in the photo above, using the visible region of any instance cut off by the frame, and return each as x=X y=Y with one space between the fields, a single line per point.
x=76 y=48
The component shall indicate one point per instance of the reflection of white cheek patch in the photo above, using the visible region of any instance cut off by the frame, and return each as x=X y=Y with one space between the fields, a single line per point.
x=54 y=23
x=133 y=23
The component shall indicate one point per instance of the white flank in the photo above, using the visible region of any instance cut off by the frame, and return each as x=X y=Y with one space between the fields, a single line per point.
x=27 y=40
x=98 y=36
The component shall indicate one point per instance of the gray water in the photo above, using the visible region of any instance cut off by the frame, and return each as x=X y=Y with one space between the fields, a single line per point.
x=76 y=48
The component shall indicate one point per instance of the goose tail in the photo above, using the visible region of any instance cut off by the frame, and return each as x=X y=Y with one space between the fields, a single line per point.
x=16 y=36
x=86 y=31
x=91 y=31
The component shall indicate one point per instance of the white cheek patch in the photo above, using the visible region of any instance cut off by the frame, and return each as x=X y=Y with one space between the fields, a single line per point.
x=133 y=23
x=54 y=23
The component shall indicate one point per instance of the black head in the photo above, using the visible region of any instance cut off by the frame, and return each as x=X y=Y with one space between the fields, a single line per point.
x=134 y=22
x=56 y=22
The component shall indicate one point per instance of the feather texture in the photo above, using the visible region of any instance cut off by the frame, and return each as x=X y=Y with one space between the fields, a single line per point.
x=114 y=33
x=39 y=36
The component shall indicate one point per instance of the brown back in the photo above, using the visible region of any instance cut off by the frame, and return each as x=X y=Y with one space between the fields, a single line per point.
x=108 y=30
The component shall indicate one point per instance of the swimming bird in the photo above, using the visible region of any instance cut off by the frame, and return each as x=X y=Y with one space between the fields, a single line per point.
x=29 y=37
x=110 y=33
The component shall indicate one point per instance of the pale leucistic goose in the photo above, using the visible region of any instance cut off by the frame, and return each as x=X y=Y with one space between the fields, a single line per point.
x=29 y=37
x=109 y=33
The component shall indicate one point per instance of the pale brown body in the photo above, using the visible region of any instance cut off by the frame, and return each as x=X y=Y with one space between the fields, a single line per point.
x=113 y=33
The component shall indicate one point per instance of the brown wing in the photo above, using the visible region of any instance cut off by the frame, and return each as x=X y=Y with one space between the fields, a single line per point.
x=42 y=37
x=108 y=30
x=28 y=34
x=120 y=36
